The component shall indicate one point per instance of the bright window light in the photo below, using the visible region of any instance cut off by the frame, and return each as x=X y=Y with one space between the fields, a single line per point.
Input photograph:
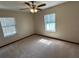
x=8 y=26
x=50 y=23
x=44 y=41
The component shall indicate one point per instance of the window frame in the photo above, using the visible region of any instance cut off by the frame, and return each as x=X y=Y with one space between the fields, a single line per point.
x=52 y=22
x=5 y=26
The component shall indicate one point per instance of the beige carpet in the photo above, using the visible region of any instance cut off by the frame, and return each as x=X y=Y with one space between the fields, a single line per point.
x=39 y=47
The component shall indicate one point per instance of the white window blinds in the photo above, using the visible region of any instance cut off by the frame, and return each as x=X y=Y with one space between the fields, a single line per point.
x=8 y=26
x=50 y=23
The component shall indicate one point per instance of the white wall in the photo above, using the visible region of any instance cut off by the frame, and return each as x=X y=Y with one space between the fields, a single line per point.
x=24 y=25
x=67 y=21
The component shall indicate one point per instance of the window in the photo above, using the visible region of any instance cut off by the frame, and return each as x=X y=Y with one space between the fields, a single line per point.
x=8 y=26
x=49 y=21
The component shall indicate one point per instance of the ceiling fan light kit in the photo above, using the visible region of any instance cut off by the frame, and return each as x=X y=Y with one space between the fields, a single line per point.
x=33 y=7
x=33 y=10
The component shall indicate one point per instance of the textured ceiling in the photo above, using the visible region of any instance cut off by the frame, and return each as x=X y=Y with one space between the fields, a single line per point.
x=17 y=5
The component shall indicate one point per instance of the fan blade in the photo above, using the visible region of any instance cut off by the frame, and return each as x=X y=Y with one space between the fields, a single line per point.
x=23 y=8
x=39 y=9
x=27 y=3
x=41 y=5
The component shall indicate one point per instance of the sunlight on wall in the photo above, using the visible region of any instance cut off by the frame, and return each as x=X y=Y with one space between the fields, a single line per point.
x=44 y=41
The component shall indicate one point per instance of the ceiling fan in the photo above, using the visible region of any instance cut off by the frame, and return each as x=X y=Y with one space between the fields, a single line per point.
x=33 y=7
